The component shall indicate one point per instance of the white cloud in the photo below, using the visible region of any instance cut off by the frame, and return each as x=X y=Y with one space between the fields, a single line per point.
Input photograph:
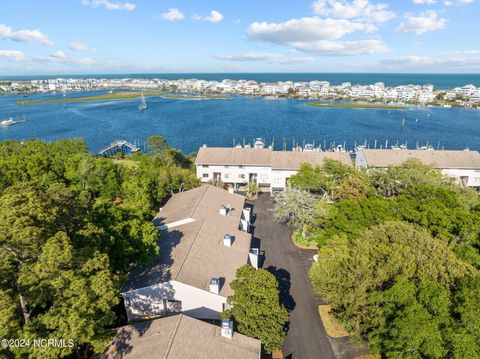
x=421 y=2
x=263 y=57
x=12 y=55
x=456 y=60
x=77 y=46
x=59 y=54
x=84 y=61
x=110 y=5
x=458 y=2
x=355 y=9
x=345 y=48
x=59 y=57
x=35 y=36
x=316 y=35
x=425 y=22
x=306 y=29
x=214 y=17
x=172 y=14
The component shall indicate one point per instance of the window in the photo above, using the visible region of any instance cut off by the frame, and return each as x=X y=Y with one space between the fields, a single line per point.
x=242 y=176
x=227 y=175
x=277 y=180
x=205 y=175
x=205 y=166
x=263 y=178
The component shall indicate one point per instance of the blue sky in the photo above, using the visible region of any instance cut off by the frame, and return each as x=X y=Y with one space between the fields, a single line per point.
x=135 y=36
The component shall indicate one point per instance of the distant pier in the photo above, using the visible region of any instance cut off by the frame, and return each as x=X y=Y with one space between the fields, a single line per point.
x=117 y=146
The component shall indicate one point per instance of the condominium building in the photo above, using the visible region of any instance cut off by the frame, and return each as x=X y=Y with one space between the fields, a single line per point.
x=463 y=166
x=270 y=169
x=204 y=241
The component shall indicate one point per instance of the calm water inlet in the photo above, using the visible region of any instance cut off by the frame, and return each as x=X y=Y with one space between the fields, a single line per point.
x=188 y=124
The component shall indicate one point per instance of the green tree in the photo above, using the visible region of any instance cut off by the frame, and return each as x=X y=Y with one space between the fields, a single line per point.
x=71 y=227
x=353 y=187
x=323 y=178
x=393 y=284
x=466 y=335
x=300 y=208
x=48 y=274
x=256 y=308
x=157 y=144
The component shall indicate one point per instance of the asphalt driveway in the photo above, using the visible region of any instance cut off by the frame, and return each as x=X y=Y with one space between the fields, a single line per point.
x=306 y=338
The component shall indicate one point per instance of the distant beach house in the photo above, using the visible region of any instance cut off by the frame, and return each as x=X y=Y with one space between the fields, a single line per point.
x=463 y=166
x=270 y=169
x=204 y=241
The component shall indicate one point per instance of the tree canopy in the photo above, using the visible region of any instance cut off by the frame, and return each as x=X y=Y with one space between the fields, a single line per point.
x=71 y=226
x=256 y=307
x=398 y=286
x=399 y=257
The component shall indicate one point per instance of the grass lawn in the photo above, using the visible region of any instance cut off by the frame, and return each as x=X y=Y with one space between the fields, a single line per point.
x=105 y=97
x=302 y=242
x=333 y=328
x=358 y=105
x=127 y=162
x=277 y=354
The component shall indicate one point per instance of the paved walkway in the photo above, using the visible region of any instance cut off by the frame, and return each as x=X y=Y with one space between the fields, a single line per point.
x=306 y=338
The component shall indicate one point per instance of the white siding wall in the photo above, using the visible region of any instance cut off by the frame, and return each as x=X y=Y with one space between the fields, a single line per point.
x=473 y=176
x=148 y=302
x=279 y=178
x=234 y=173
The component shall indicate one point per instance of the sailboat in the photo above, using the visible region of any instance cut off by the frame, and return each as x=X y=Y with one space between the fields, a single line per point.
x=143 y=103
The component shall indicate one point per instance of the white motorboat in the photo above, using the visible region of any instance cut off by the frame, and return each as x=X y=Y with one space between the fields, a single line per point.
x=259 y=143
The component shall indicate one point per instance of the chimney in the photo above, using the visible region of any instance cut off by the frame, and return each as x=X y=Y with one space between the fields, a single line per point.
x=224 y=209
x=215 y=285
x=227 y=240
x=227 y=328
x=254 y=257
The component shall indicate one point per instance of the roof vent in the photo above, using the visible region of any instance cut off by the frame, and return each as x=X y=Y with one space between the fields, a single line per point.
x=224 y=208
x=215 y=285
x=227 y=240
x=227 y=328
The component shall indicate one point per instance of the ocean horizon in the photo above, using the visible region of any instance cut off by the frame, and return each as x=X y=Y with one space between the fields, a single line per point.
x=438 y=80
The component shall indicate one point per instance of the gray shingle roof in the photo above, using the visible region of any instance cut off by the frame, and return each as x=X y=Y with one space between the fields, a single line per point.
x=193 y=253
x=291 y=160
x=287 y=160
x=234 y=156
x=439 y=159
x=179 y=337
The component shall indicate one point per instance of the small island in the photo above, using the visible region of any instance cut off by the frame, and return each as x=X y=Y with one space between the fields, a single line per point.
x=195 y=97
x=105 y=97
x=357 y=105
